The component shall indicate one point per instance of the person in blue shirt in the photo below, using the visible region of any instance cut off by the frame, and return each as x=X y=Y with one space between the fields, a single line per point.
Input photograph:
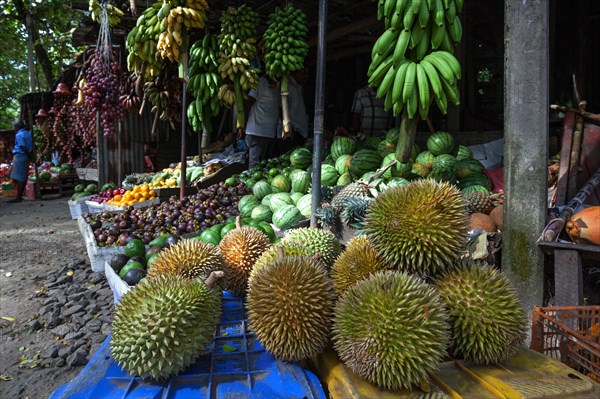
x=22 y=152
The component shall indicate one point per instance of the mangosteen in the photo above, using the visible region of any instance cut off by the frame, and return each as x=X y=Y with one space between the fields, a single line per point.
x=172 y=239
x=102 y=237
x=133 y=276
x=96 y=224
x=139 y=259
x=123 y=224
x=152 y=251
x=118 y=261
x=122 y=240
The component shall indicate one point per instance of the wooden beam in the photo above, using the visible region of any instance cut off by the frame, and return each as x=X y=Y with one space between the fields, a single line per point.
x=341 y=32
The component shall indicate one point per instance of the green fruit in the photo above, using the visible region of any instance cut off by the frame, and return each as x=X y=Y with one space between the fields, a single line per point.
x=391 y=330
x=231 y=181
x=79 y=188
x=290 y=302
x=357 y=262
x=342 y=146
x=300 y=158
x=364 y=161
x=159 y=241
x=261 y=189
x=262 y=213
x=210 y=237
x=118 y=261
x=440 y=143
x=128 y=266
x=192 y=259
x=91 y=188
x=420 y=227
x=321 y=242
x=487 y=321
x=217 y=227
x=329 y=175
x=344 y=180
x=342 y=164
x=162 y=326
x=134 y=248
x=300 y=181
x=150 y=260
x=281 y=183
x=286 y=216
x=227 y=228
x=280 y=199
x=241 y=248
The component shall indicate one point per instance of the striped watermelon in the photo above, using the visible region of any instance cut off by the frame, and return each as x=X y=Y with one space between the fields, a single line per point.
x=398 y=170
x=247 y=198
x=344 y=179
x=442 y=174
x=371 y=143
x=342 y=146
x=329 y=175
x=280 y=199
x=286 y=217
x=392 y=135
x=364 y=161
x=296 y=197
x=425 y=158
x=300 y=158
x=440 y=143
x=445 y=162
x=281 y=183
x=462 y=152
x=261 y=213
x=247 y=209
x=328 y=160
x=467 y=166
x=300 y=180
x=261 y=189
x=474 y=189
x=414 y=152
x=385 y=147
x=267 y=200
x=420 y=170
x=342 y=164
x=475 y=179
x=305 y=205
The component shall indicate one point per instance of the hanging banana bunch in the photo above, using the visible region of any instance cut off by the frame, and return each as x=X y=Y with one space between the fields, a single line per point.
x=237 y=42
x=142 y=58
x=286 y=48
x=412 y=62
x=164 y=95
x=204 y=82
x=113 y=12
x=177 y=17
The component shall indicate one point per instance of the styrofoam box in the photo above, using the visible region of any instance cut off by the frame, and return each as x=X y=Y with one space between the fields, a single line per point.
x=95 y=207
x=115 y=282
x=98 y=256
x=139 y=205
x=78 y=207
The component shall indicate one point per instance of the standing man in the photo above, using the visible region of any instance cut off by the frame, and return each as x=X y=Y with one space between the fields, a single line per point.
x=261 y=128
x=370 y=118
x=22 y=152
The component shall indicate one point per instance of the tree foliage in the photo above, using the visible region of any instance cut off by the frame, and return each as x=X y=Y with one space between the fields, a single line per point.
x=52 y=25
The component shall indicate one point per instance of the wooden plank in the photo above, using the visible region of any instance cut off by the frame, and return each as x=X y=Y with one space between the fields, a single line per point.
x=568 y=278
x=565 y=156
x=587 y=251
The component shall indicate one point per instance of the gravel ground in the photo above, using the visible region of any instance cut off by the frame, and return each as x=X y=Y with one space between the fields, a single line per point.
x=54 y=311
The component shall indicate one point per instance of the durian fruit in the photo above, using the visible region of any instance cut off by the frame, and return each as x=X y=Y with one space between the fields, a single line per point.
x=290 y=302
x=241 y=247
x=420 y=227
x=487 y=321
x=273 y=253
x=391 y=329
x=352 y=190
x=161 y=326
x=478 y=202
x=327 y=217
x=358 y=261
x=318 y=241
x=191 y=259
x=353 y=213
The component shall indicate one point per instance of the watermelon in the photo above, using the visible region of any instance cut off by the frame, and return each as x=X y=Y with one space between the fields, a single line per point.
x=267 y=200
x=344 y=180
x=425 y=158
x=474 y=189
x=420 y=170
x=342 y=164
x=467 y=166
x=462 y=152
x=300 y=158
x=286 y=217
x=364 y=161
x=247 y=209
x=328 y=160
x=445 y=161
x=261 y=213
x=414 y=152
x=342 y=146
x=305 y=205
x=440 y=143
x=250 y=183
x=267 y=229
x=475 y=179
x=300 y=181
x=392 y=135
x=227 y=228
x=280 y=199
x=282 y=183
x=442 y=174
x=398 y=170
x=329 y=175
x=296 y=197
x=385 y=147
x=261 y=189
x=371 y=143
x=246 y=199
x=397 y=181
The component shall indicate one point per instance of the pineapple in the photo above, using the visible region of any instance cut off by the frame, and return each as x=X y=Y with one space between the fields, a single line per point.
x=478 y=203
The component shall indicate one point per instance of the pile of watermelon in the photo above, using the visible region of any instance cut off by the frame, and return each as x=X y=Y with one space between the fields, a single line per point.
x=281 y=186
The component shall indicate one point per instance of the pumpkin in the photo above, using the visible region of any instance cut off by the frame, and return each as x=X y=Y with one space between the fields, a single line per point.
x=584 y=226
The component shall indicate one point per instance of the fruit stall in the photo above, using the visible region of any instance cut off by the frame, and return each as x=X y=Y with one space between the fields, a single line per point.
x=352 y=266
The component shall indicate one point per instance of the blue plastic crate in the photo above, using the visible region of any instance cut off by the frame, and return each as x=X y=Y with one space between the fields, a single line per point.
x=237 y=366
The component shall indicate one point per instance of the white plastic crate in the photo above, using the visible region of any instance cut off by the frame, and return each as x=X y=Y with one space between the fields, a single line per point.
x=138 y=205
x=94 y=207
x=98 y=255
x=118 y=286
x=78 y=207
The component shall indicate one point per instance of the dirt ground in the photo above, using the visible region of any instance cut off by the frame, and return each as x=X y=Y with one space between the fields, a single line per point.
x=37 y=238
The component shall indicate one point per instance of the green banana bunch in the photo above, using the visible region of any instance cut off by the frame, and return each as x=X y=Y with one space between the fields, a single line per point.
x=412 y=63
x=285 y=41
x=142 y=58
x=164 y=95
x=114 y=14
x=204 y=82
x=237 y=42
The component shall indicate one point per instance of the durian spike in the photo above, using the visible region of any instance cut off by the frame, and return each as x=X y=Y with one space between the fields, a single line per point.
x=238 y=221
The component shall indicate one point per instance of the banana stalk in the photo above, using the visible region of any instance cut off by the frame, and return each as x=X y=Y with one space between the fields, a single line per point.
x=285 y=107
x=408 y=129
x=239 y=102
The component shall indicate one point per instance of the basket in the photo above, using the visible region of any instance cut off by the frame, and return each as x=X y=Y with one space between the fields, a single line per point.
x=570 y=334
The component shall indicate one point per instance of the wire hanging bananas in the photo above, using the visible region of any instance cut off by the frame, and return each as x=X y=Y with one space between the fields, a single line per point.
x=412 y=62
x=204 y=82
x=285 y=41
x=113 y=12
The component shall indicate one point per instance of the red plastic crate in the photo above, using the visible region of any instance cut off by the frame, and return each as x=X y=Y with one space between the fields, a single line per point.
x=570 y=334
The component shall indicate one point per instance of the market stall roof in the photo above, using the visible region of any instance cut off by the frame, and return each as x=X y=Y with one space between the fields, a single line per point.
x=352 y=27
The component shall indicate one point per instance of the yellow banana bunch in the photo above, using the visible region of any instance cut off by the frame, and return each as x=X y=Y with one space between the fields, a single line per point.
x=114 y=14
x=412 y=63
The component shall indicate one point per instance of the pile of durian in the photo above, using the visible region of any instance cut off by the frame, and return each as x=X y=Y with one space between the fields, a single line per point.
x=394 y=303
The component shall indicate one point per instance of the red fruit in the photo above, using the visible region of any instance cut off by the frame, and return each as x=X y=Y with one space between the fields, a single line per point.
x=116 y=191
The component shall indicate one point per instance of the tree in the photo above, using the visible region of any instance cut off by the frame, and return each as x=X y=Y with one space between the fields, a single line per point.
x=52 y=24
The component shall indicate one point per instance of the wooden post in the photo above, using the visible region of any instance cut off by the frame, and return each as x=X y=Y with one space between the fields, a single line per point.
x=568 y=278
x=526 y=116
